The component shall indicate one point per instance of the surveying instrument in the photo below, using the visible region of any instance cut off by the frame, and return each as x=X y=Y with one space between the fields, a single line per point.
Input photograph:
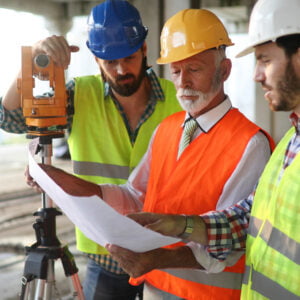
x=46 y=118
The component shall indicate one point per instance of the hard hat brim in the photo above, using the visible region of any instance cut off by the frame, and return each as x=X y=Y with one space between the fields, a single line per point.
x=251 y=46
x=245 y=52
x=116 y=53
x=168 y=60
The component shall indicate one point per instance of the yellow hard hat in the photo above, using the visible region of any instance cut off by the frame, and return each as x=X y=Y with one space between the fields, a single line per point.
x=189 y=32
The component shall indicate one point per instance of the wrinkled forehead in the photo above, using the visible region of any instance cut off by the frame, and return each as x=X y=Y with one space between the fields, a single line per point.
x=205 y=57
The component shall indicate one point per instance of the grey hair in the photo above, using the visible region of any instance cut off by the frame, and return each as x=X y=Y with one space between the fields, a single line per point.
x=220 y=55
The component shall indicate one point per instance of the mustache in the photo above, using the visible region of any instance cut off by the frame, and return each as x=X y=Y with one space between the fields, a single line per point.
x=265 y=86
x=187 y=92
x=124 y=77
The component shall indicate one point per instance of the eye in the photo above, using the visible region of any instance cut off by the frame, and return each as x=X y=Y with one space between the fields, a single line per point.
x=110 y=62
x=175 y=72
x=266 y=61
x=195 y=69
x=130 y=58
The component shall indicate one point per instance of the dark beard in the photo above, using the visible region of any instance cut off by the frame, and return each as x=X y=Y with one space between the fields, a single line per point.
x=126 y=90
x=289 y=89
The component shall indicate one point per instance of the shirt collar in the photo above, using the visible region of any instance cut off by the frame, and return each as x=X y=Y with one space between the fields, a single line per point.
x=209 y=119
x=295 y=121
x=156 y=90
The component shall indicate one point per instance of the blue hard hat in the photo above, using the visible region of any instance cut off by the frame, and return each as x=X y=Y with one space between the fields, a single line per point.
x=115 y=30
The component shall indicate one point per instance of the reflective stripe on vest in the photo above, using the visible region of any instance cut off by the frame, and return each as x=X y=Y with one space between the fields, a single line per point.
x=228 y=280
x=267 y=287
x=276 y=239
x=246 y=275
x=254 y=226
x=86 y=168
x=273 y=243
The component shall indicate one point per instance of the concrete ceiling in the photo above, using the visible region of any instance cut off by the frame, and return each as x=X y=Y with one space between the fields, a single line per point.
x=51 y=8
x=59 y=13
x=71 y=8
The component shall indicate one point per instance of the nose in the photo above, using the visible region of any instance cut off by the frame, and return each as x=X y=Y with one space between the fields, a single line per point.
x=121 y=68
x=259 y=73
x=184 y=80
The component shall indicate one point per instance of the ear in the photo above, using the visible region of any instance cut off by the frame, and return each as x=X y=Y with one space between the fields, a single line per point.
x=225 y=68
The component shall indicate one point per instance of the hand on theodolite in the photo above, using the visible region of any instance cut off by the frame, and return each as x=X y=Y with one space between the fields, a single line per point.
x=57 y=48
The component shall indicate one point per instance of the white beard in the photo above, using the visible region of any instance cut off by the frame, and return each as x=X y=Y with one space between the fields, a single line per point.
x=194 y=106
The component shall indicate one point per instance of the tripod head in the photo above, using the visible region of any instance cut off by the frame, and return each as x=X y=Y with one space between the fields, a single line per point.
x=44 y=116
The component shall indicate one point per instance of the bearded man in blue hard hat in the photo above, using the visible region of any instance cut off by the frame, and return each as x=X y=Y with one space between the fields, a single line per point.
x=115 y=114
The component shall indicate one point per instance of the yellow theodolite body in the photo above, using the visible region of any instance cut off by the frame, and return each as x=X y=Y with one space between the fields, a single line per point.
x=43 y=115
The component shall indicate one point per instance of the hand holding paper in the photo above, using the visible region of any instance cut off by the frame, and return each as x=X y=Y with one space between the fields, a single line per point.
x=80 y=201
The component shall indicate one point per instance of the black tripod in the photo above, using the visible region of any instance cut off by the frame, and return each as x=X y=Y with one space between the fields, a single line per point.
x=39 y=264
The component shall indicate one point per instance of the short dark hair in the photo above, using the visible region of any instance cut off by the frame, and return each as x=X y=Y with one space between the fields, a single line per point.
x=289 y=43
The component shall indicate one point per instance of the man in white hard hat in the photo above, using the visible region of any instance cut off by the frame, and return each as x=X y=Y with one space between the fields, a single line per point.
x=272 y=229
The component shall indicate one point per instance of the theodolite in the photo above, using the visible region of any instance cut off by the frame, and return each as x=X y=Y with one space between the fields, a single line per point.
x=46 y=118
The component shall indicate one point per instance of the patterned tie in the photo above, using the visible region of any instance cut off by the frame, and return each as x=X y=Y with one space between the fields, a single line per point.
x=188 y=131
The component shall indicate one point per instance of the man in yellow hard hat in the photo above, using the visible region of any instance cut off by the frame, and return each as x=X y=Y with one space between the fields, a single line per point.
x=197 y=160
x=271 y=233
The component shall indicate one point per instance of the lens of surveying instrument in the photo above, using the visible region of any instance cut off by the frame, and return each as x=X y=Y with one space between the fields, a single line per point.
x=42 y=60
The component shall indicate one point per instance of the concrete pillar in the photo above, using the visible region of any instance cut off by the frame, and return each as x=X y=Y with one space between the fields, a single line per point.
x=150 y=15
x=58 y=26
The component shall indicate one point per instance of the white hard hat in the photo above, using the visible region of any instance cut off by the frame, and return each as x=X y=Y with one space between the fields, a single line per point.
x=271 y=19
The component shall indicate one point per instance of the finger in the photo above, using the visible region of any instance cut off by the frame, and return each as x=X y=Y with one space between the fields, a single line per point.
x=126 y=258
x=58 y=49
x=156 y=226
x=120 y=253
x=74 y=48
x=32 y=183
x=29 y=180
x=64 y=49
x=171 y=225
x=144 y=218
x=26 y=172
x=113 y=248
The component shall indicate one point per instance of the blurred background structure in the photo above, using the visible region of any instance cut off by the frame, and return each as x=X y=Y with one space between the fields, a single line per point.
x=24 y=22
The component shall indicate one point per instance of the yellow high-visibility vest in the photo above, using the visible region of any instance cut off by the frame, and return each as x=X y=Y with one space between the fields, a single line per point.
x=273 y=241
x=100 y=147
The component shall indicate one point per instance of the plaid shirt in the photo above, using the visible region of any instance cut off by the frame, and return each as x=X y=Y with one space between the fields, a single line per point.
x=227 y=230
x=14 y=122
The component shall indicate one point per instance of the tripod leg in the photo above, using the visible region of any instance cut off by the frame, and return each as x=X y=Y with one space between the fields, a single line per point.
x=40 y=289
x=50 y=282
x=26 y=288
x=77 y=292
x=31 y=289
x=71 y=271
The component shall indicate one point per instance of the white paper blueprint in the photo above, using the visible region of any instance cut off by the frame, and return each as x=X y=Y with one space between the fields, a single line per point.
x=97 y=220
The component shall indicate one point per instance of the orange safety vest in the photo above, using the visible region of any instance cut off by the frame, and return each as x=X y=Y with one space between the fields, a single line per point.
x=193 y=185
